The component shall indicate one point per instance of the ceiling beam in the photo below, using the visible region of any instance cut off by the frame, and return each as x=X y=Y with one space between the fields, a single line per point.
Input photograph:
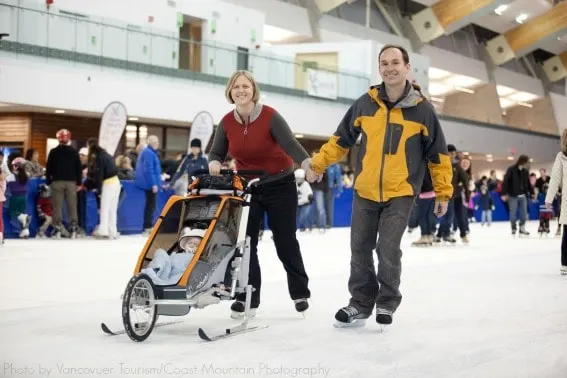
x=328 y=5
x=448 y=16
x=527 y=37
x=556 y=67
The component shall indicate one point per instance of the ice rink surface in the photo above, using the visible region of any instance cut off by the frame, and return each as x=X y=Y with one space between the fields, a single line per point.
x=496 y=308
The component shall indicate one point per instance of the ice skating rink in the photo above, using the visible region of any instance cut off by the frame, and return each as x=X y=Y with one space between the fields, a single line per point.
x=496 y=308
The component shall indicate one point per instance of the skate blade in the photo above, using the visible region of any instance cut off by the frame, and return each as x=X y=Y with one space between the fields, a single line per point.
x=240 y=315
x=354 y=324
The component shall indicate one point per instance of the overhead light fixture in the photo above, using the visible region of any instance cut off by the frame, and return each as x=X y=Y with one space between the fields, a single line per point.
x=531 y=160
x=466 y=153
x=521 y=18
x=504 y=91
x=522 y=97
x=489 y=156
x=299 y=136
x=60 y=111
x=436 y=89
x=437 y=74
x=437 y=99
x=132 y=118
x=510 y=158
x=527 y=105
x=466 y=90
x=501 y=9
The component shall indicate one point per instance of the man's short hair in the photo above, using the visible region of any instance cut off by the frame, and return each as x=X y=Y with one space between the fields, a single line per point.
x=405 y=55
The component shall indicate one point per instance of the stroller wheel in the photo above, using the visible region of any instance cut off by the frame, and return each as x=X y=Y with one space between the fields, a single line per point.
x=138 y=314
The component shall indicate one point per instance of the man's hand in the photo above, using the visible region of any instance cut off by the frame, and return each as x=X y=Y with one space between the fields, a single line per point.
x=214 y=168
x=154 y=189
x=547 y=205
x=440 y=208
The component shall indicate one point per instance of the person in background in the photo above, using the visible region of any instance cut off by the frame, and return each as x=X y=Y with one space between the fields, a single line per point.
x=64 y=176
x=17 y=191
x=426 y=212
x=147 y=177
x=104 y=172
x=516 y=189
x=456 y=205
x=4 y=164
x=493 y=182
x=35 y=169
x=558 y=182
x=2 y=200
x=125 y=170
x=335 y=177
x=191 y=163
x=542 y=183
x=486 y=205
x=304 y=200
x=320 y=191
x=259 y=138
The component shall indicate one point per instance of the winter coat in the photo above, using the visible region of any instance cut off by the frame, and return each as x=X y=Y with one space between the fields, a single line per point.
x=190 y=165
x=558 y=182
x=516 y=182
x=304 y=193
x=167 y=269
x=148 y=170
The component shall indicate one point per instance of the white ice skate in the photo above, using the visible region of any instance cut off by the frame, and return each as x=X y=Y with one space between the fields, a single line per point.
x=564 y=270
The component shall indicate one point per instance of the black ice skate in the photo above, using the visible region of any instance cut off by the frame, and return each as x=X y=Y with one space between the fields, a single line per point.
x=238 y=308
x=449 y=239
x=383 y=317
x=350 y=316
x=301 y=305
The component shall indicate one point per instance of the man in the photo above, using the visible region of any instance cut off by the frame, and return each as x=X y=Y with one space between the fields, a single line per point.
x=148 y=178
x=543 y=181
x=515 y=189
x=456 y=210
x=64 y=174
x=400 y=134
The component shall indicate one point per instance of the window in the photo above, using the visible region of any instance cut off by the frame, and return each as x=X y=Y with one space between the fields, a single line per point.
x=242 y=59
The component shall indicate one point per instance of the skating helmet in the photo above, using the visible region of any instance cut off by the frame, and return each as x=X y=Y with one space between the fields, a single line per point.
x=299 y=174
x=44 y=191
x=63 y=136
x=190 y=239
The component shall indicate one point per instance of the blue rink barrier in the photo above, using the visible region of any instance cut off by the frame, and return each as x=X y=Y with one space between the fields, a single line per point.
x=131 y=209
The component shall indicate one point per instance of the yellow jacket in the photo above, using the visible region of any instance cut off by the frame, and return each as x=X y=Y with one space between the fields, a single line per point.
x=395 y=146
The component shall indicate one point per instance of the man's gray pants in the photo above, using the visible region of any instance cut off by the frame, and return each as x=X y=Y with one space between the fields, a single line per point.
x=370 y=219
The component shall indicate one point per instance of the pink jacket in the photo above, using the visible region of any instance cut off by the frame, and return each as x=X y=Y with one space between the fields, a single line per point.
x=2 y=187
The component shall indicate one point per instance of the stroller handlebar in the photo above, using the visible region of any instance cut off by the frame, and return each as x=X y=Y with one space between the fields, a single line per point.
x=233 y=172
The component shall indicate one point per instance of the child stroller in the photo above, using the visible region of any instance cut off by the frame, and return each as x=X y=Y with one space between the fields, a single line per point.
x=545 y=215
x=218 y=270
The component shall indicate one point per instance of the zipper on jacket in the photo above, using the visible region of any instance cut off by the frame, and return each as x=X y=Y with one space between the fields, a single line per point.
x=384 y=156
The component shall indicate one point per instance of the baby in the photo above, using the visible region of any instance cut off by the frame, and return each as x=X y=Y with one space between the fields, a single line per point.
x=167 y=269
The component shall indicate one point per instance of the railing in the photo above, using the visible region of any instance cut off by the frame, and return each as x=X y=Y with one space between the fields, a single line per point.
x=110 y=44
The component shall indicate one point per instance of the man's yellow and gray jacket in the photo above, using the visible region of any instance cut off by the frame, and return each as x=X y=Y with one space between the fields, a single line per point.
x=396 y=147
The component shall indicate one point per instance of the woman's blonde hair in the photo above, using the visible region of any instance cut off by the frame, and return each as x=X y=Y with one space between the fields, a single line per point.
x=564 y=141
x=230 y=84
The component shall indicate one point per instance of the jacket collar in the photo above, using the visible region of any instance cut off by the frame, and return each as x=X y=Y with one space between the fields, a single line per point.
x=253 y=116
x=411 y=97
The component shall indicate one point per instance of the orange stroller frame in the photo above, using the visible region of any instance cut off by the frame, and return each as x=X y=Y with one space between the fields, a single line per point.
x=219 y=268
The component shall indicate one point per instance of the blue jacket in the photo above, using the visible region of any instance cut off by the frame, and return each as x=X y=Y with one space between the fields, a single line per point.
x=148 y=170
x=190 y=165
x=335 y=178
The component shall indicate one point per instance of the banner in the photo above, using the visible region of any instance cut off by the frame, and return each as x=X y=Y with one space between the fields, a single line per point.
x=112 y=126
x=322 y=84
x=201 y=128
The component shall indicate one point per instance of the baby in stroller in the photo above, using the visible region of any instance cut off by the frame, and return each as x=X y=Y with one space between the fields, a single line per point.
x=165 y=269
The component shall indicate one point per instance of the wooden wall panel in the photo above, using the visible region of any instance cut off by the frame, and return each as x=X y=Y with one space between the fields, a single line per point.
x=44 y=126
x=15 y=129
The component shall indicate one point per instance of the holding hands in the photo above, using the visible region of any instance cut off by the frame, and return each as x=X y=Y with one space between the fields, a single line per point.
x=310 y=175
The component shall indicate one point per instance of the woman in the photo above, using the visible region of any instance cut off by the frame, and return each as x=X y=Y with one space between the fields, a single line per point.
x=558 y=173
x=35 y=169
x=258 y=138
x=103 y=177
